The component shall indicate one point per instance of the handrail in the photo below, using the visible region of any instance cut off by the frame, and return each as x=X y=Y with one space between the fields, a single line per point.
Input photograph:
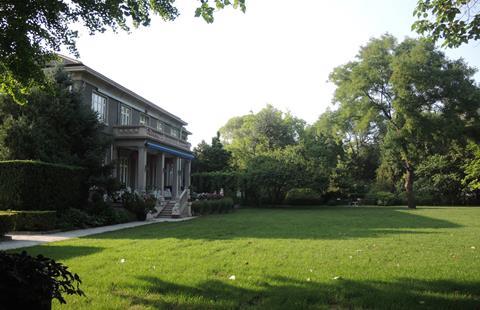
x=182 y=206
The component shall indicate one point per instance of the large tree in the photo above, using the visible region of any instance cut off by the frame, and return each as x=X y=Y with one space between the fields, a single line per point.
x=31 y=31
x=211 y=157
x=422 y=98
x=254 y=134
x=56 y=126
x=454 y=21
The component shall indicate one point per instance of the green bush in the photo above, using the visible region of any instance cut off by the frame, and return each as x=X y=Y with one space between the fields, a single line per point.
x=75 y=218
x=34 y=220
x=303 y=196
x=6 y=222
x=204 y=207
x=34 y=185
x=209 y=182
x=32 y=282
x=138 y=205
x=385 y=198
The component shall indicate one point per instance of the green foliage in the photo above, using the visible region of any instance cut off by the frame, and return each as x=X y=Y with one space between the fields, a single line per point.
x=32 y=282
x=34 y=220
x=254 y=135
x=34 y=185
x=204 y=207
x=209 y=158
x=382 y=198
x=410 y=95
x=472 y=168
x=209 y=182
x=454 y=21
x=75 y=218
x=303 y=196
x=6 y=223
x=38 y=29
x=138 y=205
x=56 y=126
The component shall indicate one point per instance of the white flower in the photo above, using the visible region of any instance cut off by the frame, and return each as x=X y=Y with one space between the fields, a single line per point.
x=473 y=248
x=337 y=278
x=232 y=277
x=308 y=279
x=122 y=261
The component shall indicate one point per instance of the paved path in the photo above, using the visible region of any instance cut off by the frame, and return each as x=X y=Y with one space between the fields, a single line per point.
x=21 y=241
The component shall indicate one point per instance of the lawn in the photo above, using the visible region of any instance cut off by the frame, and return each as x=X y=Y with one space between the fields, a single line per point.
x=362 y=257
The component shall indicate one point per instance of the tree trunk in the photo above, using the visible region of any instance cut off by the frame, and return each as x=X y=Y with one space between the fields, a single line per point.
x=409 y=176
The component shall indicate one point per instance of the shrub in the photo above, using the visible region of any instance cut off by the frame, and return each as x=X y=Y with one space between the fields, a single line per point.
x=6 y=223
x=34 y=185
x=385 y=198
x=138 y=205
x=75 y=218
x=34 y=220
x=303 y=196
x=28 y=282
x=204 y=207
x=214 y=181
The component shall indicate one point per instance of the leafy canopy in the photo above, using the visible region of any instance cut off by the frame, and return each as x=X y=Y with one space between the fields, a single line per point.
x=31 y=31
x=454 y=21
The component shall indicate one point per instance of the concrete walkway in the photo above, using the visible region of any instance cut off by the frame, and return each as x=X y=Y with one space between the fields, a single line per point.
x=22 y=241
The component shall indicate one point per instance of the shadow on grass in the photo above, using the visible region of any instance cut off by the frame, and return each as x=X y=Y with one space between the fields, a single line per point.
x=284 y=293
x=62 y=252
x=328 y=223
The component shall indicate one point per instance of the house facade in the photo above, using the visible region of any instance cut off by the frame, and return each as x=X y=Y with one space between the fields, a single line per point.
x=150 y=149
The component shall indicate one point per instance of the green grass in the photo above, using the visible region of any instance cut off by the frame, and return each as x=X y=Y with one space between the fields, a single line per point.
x=385 y=258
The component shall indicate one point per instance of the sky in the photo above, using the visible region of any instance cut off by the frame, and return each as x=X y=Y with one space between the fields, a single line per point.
x=279 y=52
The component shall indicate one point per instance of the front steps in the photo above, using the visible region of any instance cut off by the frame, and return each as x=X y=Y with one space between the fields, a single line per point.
x=167 y=211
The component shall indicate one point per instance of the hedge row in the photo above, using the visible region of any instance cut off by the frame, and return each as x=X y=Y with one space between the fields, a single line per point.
x=34 y=185
x=6 y=223
x=209 y=182
x=203 y=207
x=29 y=220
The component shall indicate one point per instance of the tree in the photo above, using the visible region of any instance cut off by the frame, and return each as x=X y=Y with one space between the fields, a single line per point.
x=422 y=98
x=455 y=21
x=31 y=31
x=55 y=127
x=210 y=158
x=254 y=134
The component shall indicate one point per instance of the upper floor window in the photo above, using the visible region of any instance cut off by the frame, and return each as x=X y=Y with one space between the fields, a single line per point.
x=99 y=105
x=159 y=126
x=125 y=115
x=175 y=132
x=143 y=120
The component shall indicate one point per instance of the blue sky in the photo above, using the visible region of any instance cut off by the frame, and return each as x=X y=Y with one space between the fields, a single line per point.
x=279 y=52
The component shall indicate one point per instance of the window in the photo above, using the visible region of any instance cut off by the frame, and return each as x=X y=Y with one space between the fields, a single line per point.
x=99 y=105
x=143 y=120
x=123 y=171
x=159 y=126
x=125 y=115
x=175 y=132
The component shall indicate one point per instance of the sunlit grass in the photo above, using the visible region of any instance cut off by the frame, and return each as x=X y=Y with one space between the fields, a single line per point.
x=306 y=258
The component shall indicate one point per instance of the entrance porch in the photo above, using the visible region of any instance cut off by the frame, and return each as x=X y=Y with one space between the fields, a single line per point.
x=152 y=167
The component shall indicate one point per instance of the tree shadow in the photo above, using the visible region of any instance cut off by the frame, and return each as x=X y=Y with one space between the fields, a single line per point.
x=324 y=223
x=61 y=252
x=285 y=293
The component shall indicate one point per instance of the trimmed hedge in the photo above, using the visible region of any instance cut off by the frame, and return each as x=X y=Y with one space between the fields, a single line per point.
x=35 y=185
x=204 y=207
x=31 y=220
x=6 y=223
x=303 y=196
x=208 y=182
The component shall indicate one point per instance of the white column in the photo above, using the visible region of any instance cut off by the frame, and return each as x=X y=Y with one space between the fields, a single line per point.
x=160 y=173
x=141 y=167
x=175 y=188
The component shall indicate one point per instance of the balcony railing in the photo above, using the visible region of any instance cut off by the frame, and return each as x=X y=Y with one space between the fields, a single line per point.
x=143 y=132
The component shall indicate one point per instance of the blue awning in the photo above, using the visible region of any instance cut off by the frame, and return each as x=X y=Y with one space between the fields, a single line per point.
x=170 y=150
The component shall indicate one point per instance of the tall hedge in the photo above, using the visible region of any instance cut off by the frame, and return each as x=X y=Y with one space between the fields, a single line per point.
x=34 y=185
x=208 y=182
